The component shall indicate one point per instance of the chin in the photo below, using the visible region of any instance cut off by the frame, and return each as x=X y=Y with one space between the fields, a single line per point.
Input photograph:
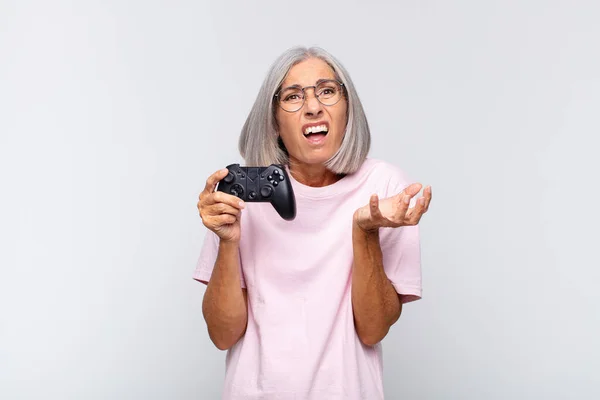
x=313 y=156
x=315 y=159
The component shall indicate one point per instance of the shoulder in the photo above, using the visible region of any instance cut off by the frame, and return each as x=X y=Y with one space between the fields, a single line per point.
x=388 y=175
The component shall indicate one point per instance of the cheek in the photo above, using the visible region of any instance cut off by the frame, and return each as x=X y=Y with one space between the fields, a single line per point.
x=286 y=124
x=341 y=118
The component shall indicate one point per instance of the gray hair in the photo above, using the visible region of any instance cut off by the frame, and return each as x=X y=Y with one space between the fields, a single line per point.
x=259 y=143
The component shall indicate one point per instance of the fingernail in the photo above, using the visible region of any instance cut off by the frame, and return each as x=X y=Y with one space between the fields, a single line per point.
x=422 y=201
x=406 y=199
x=242 y=204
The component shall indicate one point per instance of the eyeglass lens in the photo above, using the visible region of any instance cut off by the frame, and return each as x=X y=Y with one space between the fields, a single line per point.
x=327 y=92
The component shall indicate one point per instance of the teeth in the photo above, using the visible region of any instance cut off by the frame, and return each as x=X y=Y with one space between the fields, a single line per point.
x=314 y=129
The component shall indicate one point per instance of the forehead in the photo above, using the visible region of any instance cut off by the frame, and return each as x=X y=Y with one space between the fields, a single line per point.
x=307 y=72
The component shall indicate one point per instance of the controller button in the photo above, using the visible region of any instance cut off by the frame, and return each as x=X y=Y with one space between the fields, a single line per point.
x=276 y=172
x=237 y=190
x=275 y=183
x=280 y=177
x=270 y=177
x=229 y=178
x=252 y=195
x=266 y=191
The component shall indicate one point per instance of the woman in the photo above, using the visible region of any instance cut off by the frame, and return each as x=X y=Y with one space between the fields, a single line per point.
x=302 y=305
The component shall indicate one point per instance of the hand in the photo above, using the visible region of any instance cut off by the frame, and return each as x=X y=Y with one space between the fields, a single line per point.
x=393 y=211
x=220 y=212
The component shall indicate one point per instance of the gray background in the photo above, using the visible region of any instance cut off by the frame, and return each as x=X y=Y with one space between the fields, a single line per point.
x=113 y=113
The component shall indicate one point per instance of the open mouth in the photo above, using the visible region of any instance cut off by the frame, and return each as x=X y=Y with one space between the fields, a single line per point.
x=316 y=133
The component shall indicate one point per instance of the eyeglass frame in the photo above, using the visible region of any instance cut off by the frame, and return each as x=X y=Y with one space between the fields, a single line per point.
x=314 y=87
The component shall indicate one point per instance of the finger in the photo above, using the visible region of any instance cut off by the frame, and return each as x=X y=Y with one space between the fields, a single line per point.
x=428 y=195
x=374 y=207
x=422 y=204
x=212 y=180
x=226 y=198
x=222 y=208
x=407 y=194
x=224 y=219
x=417 y=212
x=412 y=189
x=421 y=207
x=404 y=203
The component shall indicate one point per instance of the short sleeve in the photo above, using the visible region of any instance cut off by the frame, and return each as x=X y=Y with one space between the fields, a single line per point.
x=207 y=258
x=401 y=250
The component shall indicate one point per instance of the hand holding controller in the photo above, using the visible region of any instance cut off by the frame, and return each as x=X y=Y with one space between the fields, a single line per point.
x=261 y=185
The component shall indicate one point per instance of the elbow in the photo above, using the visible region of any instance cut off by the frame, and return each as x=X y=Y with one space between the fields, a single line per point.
x=369 y=342
x=225 y=329
x=370 y=339
x=222 y=345
x=226 y=338
x=375 y=331
x=221 y=342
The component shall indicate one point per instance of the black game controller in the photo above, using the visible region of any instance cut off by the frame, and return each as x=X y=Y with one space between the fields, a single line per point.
x=261 y=185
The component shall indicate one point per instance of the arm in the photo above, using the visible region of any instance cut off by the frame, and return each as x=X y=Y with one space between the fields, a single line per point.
x=225 y=302
x=375 y=303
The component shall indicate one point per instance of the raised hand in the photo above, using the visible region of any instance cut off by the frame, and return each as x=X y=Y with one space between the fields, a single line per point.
x=393 y=211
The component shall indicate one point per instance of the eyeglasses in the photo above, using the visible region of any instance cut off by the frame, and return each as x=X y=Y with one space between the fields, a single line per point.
x=327 y=91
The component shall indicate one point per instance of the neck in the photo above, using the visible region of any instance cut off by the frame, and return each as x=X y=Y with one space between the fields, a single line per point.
x=314 y=175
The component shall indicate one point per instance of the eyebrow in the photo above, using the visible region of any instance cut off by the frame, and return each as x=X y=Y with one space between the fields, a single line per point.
x=296 y=86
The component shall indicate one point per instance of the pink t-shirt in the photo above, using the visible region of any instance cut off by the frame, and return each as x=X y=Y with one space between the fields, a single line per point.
x=300 y=342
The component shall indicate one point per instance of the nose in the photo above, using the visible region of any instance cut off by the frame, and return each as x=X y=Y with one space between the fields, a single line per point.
x=312 y=106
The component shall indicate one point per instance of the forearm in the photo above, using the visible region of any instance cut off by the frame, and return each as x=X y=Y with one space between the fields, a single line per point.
x=375 y=303
x=225 y=303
